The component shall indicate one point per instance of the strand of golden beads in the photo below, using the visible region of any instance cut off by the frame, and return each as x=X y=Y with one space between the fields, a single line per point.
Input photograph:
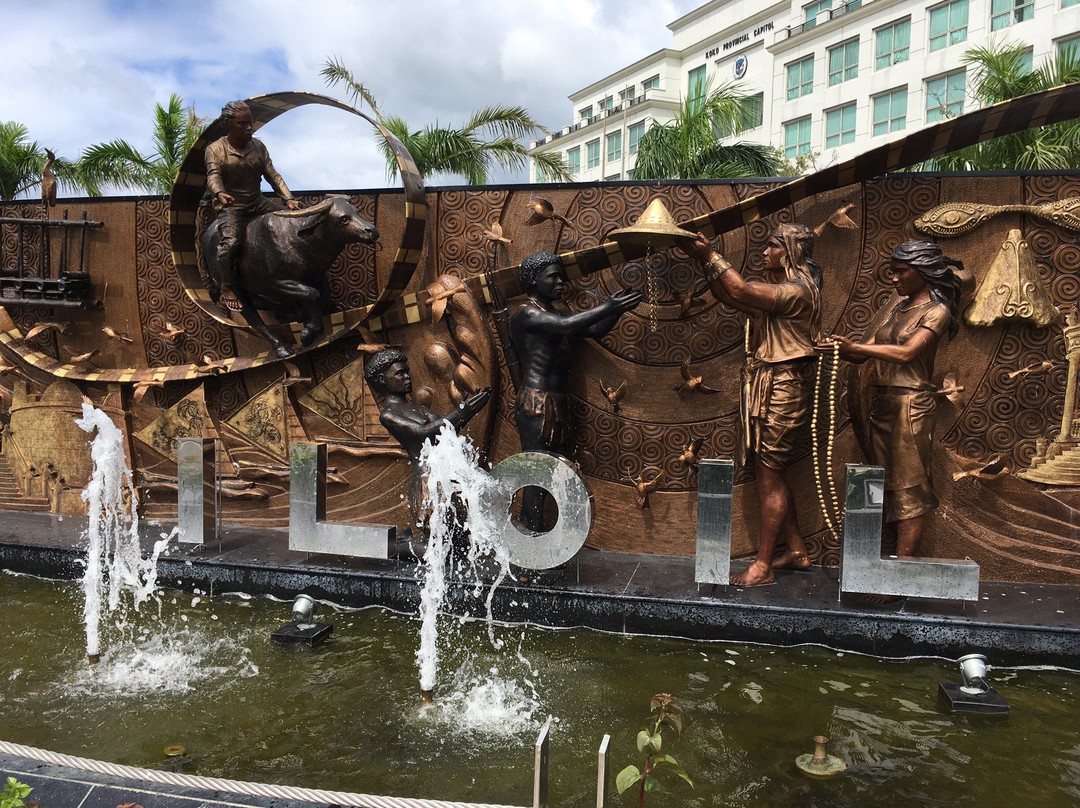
x=652 y=289
x=819 y=481
x=833 y=489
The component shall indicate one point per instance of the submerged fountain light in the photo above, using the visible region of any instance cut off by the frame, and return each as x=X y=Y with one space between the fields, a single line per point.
x=302 y=629
x=975 y=695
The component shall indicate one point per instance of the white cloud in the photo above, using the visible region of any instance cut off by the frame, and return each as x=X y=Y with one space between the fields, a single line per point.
x=84 y=72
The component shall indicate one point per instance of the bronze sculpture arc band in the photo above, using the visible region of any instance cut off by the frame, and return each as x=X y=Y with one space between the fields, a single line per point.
x=1005 y=118
x=190 y=185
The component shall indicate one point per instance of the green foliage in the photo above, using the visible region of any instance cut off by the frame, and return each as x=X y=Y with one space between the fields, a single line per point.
x=691 y=147
x=998 y=74
x=490 y=137
x=22 y=159
x=12 y=796
x=119 y=163
x=664 y=713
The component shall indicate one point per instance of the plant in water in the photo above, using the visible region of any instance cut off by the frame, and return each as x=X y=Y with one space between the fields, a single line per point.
x=664 y=712
x=12 y=795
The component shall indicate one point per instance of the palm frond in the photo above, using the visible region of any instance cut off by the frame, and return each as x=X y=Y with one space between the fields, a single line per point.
x=334 y=72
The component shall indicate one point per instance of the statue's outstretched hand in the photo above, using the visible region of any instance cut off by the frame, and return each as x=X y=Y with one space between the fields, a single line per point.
x=293 y=204
x=626 y=299
x=476 y=401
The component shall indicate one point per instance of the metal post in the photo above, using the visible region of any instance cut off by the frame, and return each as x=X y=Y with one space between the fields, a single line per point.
x=602 y=772
x=540 y=767
x=196 y=507
x=716 y=483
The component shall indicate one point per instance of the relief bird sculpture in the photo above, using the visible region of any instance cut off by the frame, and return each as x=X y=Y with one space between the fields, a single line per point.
x=112 y=333
x=691 y=383
x=540 y=211
x=495 y=233
x=41 y=328
x=613 y=394
x=170 y=331
x=643 y=487
x=78 y=359
x=691 y=453
x=838 y=219
x=1036 y=367
x=142 y=388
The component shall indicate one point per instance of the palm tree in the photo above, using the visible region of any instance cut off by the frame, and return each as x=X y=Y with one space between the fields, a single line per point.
x=21 y=161
x=1001 y=73
x=490 y=137
x=120 y=164
x=691 y=147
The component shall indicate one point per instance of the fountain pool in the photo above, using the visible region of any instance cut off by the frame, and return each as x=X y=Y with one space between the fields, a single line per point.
x=346 y=715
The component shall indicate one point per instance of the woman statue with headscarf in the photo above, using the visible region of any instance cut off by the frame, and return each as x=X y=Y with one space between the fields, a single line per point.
x=903 y=339
x=785 y=313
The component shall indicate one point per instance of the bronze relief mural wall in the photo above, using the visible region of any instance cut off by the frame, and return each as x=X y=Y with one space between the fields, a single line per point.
x=1000 y=418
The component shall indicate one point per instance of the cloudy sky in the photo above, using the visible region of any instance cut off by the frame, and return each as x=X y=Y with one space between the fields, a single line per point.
x=78 y=73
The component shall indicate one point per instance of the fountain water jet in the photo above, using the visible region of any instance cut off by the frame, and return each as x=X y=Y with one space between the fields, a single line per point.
x=456 y=485
x=114 y=561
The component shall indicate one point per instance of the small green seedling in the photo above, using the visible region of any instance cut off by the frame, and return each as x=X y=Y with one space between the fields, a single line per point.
x=12 y=795
x=664 y=712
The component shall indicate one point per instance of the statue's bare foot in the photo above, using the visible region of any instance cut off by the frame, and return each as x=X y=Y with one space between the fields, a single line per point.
x=757 y=574
x=792 y=560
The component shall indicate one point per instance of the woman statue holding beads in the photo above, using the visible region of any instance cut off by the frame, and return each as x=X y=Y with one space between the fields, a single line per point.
x=903 y=342
x=785 y=312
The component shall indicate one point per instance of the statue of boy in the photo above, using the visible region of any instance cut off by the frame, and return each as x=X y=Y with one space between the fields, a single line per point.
x=541 y=334
x=387 y=373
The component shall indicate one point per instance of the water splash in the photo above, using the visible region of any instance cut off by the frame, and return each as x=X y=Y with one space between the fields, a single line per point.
x=455 y=487
x=114 y=562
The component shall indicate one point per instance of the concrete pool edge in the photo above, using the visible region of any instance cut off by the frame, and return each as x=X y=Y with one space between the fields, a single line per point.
x=1012 y=623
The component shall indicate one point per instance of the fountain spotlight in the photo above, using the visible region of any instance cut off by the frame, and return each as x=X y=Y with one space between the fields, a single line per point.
x=975 y=695
x=302 y=629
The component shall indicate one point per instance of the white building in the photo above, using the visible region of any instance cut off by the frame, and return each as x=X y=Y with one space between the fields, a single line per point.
x=834 y=79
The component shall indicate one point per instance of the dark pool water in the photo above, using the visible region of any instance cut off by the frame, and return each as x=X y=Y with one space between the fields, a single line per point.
x=346 y=715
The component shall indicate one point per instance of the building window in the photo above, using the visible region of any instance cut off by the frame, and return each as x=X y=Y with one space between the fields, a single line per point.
x=945 y=96
x=606 y=104
x=810 y=12
x=843 y=62
x=891 y=44
x=1067 y=3
x=592 y=153
x=1004 y=13
x=637 y=131
x=797 y=138
x=612 y=177
x=651 y=83
x=695 y=83
x=1027 y=61
x=800 y=78
x=889 y=112
x=1068 y=50
x=948 y=24
x=585 y=113
x=755 y=112
x=573 y=159
x=614 y=147
x=840 y=126
x=626 y=95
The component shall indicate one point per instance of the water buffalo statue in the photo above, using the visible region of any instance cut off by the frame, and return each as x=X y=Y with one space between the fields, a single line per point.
x=283 y=265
